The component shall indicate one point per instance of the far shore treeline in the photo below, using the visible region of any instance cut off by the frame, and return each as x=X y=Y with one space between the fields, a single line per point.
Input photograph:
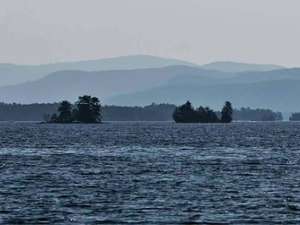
x=295 y=117
x=153 y=112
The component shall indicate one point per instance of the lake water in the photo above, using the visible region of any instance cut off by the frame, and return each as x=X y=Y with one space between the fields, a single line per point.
x=150 y=173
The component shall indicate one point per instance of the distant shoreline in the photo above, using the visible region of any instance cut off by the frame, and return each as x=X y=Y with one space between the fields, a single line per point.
x=145 y=121
x=153 y=112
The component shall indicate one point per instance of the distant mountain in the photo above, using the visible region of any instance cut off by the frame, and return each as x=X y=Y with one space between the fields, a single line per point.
x=217 y=77
x=276 y=89
x=11 y=74
x=15 y=74
x=280 y=95
x=69 y=84
x=234 y=67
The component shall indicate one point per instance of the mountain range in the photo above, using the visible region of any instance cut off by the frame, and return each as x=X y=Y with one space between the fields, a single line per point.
x=141 y=80
x=15 y=74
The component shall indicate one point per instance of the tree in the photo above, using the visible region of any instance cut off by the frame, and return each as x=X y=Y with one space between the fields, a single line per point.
x=185 y=113
x=226 y=113
x=88 y=109
x=201 y=114
x=210 y=116
x=96 y=109
x=53 y=118
x=65 y=112
x=295 y=117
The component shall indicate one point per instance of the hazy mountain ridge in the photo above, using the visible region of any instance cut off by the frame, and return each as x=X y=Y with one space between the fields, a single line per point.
x=235 y=67
x=280 y=95
x=15 y=74
x=278 y=90
x=170 y=84
x=217 y=77
x=70 y=84
x=173 y=84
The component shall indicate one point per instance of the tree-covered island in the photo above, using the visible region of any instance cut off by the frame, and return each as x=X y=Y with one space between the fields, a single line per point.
x=86 y=109
x=186 y=113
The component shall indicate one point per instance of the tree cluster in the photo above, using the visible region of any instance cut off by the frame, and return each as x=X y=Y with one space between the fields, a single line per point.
x=186 y=113
x=86 y=110
x=153 y=112
x=295 y=117
x=248 y=114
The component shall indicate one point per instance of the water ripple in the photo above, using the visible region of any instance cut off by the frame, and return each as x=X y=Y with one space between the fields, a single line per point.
x=150 y=173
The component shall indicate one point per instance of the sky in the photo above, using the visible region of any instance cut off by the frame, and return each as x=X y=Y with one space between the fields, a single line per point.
x=200 y=31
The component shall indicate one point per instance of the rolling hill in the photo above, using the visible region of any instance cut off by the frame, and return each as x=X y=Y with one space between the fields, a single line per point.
x=11 y=74
x=279 y=95
x=234 y=67
x=276 y=89
x=69 y=84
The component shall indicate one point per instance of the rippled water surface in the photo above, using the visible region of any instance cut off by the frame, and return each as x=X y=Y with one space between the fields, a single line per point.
x=150 y=173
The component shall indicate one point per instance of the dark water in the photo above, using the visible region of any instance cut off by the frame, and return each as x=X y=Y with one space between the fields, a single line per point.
x=150 y=173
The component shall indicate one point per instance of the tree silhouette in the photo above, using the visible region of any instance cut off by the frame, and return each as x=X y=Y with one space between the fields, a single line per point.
x=295 y=117
x=210 y=116
x=187 y=114
x=65 y=112
x=227 y=112
x=88 y=109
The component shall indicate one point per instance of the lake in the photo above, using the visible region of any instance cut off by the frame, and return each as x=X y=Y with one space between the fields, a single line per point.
x=150 y=173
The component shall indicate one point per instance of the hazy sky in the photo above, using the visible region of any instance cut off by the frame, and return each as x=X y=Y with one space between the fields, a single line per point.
x=201 y=31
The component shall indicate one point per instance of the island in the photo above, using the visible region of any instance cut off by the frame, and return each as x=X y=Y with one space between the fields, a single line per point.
x=186 y=113
x=86 y=110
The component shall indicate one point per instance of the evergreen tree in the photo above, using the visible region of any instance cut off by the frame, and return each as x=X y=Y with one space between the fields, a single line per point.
x=185 y=113
x=88 y=109
x=65 y=112
x=226 y=113
x=211 y=116
x=295 y=117
x=96 y=109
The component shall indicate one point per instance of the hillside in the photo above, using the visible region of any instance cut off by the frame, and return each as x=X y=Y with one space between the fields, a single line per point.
x=11 y=74
x=15 y=74
x=276 y=89
x=279 y=95
x=234 y=67
x=69 y=84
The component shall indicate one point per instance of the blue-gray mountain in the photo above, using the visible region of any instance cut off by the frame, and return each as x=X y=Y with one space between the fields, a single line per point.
x=278 y=89
x=270 y=87
x=280 y=95
x=239 y=67
x=104 y=84
x=15 y=74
